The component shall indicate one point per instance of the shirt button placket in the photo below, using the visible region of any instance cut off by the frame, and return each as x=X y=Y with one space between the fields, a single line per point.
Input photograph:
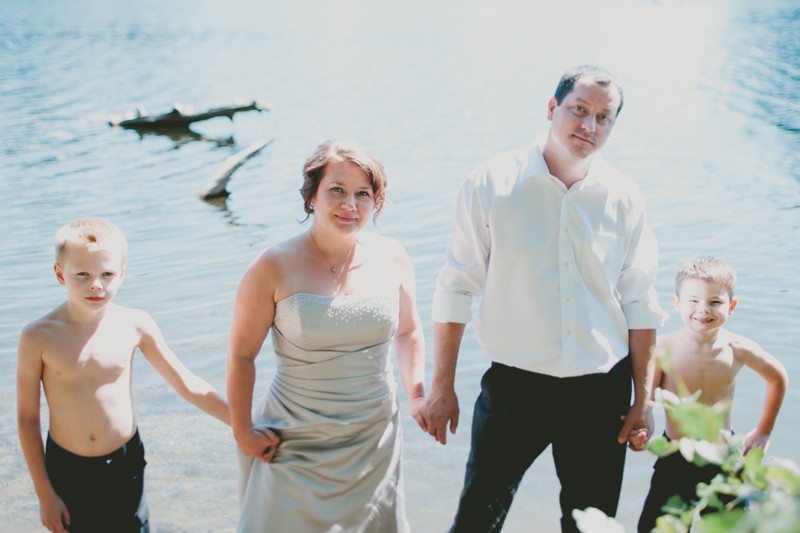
x=567 y=276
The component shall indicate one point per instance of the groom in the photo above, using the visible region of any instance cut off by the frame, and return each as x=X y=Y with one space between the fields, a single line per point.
x=556 y=244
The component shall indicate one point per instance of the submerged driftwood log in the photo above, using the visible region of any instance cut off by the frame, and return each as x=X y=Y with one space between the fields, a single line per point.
x=216 y=187
x=179 y=117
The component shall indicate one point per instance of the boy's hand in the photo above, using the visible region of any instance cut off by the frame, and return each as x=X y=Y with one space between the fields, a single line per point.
x=261 y=443
x=756 y=439
x=637 y=439
x=639 y=434
x=269 y=452
x=54 y=514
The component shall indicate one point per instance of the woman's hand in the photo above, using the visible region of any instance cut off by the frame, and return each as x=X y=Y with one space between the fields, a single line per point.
x=261 y=443
x=415 y=405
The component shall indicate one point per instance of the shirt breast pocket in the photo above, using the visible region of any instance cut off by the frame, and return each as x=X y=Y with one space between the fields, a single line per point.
x=602 y=258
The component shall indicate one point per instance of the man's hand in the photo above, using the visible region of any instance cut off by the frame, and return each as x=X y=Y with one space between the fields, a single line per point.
x=637 y=428
x=441 y=408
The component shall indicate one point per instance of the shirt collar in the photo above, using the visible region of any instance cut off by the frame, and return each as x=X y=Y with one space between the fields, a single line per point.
x=536 y=163
x=537 y=166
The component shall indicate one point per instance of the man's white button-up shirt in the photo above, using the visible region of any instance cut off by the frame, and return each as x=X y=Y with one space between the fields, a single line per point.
x=562 y=274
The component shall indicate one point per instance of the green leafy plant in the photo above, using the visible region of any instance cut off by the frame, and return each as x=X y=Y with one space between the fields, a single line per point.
x=751 y=495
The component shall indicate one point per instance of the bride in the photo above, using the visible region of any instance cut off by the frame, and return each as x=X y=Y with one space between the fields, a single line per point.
x=323 y=450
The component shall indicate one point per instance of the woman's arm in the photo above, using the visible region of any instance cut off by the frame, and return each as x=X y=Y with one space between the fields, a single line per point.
x=409 y=340
x=254 y=311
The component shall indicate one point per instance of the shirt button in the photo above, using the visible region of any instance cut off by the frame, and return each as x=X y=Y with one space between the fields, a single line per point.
x=566 y=264
x=569 y=332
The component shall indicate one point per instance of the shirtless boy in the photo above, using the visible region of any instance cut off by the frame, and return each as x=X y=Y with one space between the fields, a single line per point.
x=707 y=358
x=91 y=477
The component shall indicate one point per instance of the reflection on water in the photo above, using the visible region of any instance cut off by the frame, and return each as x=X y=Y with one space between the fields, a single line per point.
x=770 y=73
x=181 y=136
x=762 y=79
x=710 y=132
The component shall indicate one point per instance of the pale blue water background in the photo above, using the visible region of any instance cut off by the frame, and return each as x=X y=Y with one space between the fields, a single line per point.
x=710 y=131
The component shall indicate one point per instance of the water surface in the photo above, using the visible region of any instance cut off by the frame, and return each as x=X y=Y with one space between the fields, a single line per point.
x=710 y=132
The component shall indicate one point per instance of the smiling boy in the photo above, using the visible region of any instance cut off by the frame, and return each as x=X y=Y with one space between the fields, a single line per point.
x=90 y=476
x=707 y=358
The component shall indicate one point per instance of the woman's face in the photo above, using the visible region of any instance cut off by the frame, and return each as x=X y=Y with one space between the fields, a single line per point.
x=344 y=199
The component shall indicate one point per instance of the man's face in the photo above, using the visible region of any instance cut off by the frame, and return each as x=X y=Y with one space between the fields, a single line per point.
x=583 y=121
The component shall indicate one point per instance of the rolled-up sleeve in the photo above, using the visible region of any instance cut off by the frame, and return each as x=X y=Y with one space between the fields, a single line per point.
x=636 y=286
x=464 y=273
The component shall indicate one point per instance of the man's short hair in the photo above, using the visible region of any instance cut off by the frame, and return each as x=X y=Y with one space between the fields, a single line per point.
x=598 y=74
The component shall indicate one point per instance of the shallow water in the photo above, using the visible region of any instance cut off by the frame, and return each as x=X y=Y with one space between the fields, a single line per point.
x=710 y=132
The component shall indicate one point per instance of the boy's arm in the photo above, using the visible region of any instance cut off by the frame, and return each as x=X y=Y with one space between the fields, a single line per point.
x=188 y=385
x=52 y=510
x=773 y=372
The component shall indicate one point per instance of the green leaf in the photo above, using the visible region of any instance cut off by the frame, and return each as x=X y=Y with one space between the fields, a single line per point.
x=670 y=524
x=663 y=359
x=662 y=446
x=686 y=447
x=722 y=522
x=592 y=520
x=711 y=452
x=675 y=505
x=697 y=420
x=754 y=471
x=784 y=477
x=733 y=463
x=667 y=397
x=754 y=458
x=712 y=500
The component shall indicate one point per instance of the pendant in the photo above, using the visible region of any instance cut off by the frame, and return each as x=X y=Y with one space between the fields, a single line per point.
x=333 y=270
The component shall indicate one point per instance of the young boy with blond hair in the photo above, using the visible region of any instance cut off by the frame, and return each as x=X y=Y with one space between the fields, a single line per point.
x=707 y=358
x=90 y=475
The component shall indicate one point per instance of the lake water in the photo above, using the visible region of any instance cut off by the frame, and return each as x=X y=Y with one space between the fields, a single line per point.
x=710 y=131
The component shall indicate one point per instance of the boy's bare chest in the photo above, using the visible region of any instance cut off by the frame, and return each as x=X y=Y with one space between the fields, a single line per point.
x=713 y=373
x=104 y=353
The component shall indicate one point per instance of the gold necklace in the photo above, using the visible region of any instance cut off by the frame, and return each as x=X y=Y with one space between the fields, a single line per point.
x=332 y=268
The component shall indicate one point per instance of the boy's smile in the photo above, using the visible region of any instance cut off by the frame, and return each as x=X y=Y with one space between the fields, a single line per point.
x=703 y=304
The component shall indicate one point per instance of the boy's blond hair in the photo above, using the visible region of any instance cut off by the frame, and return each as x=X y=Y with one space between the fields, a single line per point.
x=93 y=233
x=710 y=270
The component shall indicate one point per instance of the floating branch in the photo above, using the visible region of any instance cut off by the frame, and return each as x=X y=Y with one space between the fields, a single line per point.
x=216 y=187
x=179 y=117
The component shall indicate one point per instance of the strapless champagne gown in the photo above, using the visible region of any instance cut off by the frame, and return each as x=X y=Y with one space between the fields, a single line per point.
x=333 y=400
